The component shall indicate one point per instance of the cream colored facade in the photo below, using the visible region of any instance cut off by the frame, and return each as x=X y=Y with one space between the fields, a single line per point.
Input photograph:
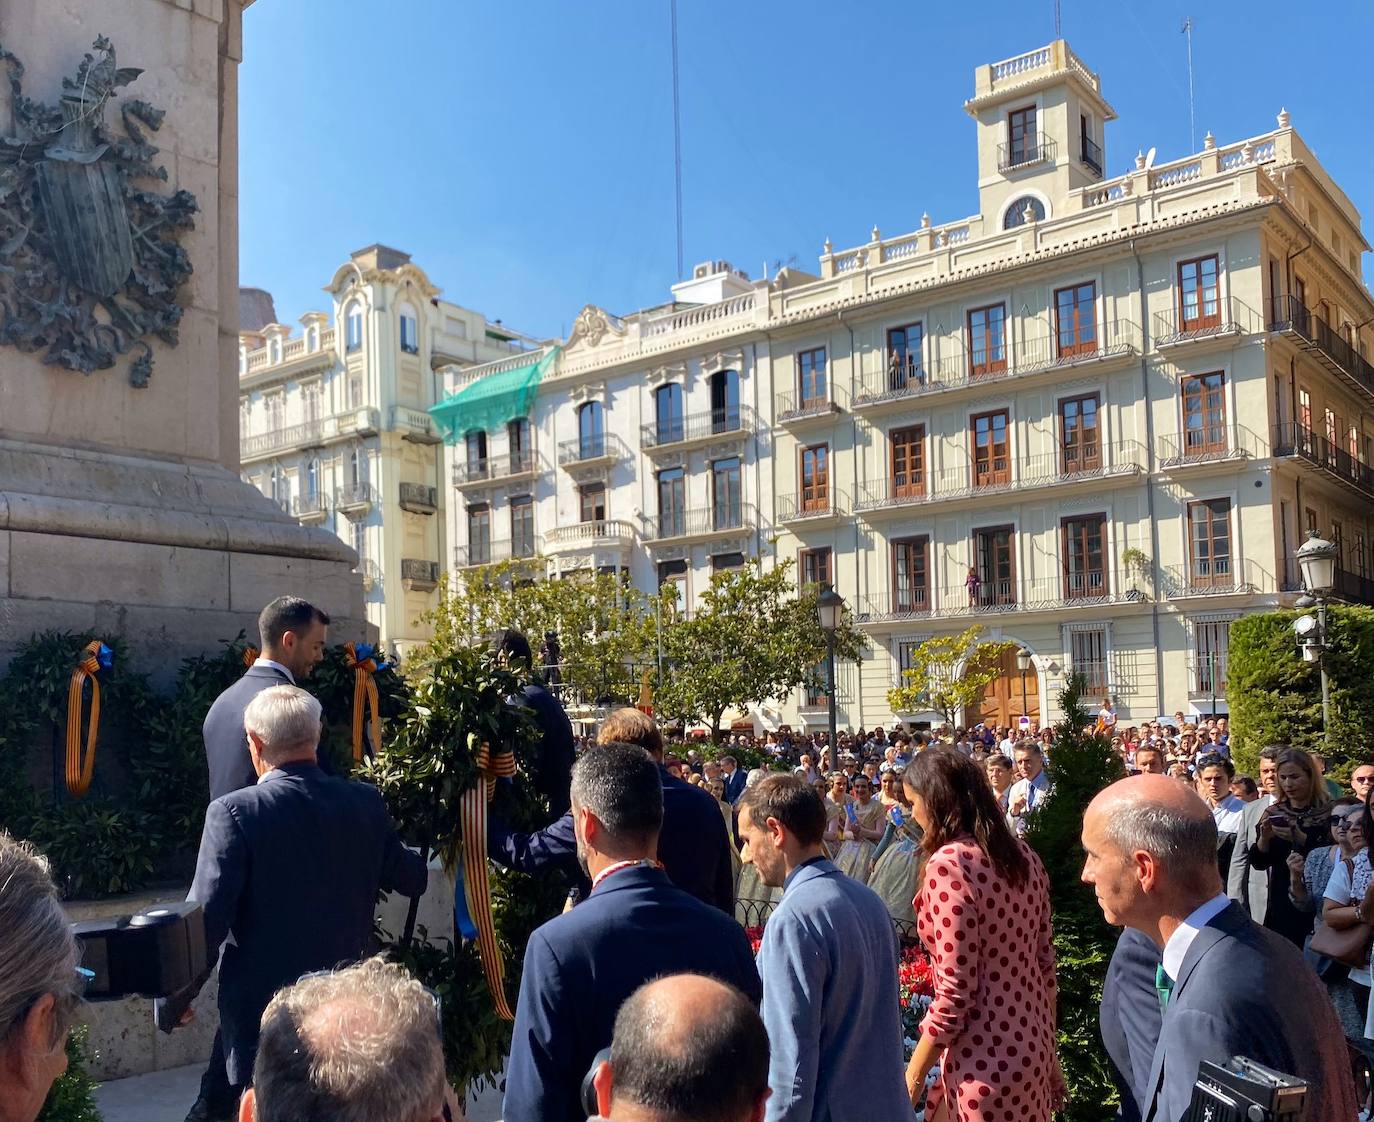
x=333 y=422
x=1096 y=416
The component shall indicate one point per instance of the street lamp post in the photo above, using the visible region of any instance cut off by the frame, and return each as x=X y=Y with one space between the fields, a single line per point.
x=1023 y=663
x=830 y=606
x=1316 y=559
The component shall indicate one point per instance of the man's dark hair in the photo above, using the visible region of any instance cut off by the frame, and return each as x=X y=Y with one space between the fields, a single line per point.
x=1273 y=752
x=1000 y=759
x=621 y=785
x=792 y=801
x=713 y=1073
x=1032 y=746
x=1247 y=784
x=729 y=760
x=1216 y=759
x=513 y=645
x=287 y=613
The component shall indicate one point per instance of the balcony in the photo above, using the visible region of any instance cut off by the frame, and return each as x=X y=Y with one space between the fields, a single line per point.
x=589 y=535
x=496 y=469
x=355 y=499
x=794 y=409
x=1313 y=334
x=1206 y=674
x=419 y=576
x=1090 y=154
x=1294 y=441
x=811 y=507
x=414 y=425
x=479 y=553
x=1353 y=587
x=419 y=498
x=1084 y=588
x=681 y=433
x=698 y=525
x=591 y=452
x=1208 y=444
x=309 y=434
x=1223 y=576
x=370 y=573
x=1026 y=153
x=310 y=510
x=911 y=603
x=1221 y=319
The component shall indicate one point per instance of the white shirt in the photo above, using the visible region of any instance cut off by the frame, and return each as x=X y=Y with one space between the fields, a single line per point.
x=1176 y=949
x=276 y=666
x=1226 y=814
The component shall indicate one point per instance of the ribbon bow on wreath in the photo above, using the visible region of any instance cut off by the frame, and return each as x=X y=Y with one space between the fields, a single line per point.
x=363 y=660
x=472 y=900
x=95 y=657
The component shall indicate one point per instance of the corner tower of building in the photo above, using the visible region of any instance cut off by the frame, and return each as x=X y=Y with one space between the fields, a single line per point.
x=1041 y=134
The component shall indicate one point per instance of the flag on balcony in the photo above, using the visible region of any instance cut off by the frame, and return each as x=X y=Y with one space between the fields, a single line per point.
x=493 y=400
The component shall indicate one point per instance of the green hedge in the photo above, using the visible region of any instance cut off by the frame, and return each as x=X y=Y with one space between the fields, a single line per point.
x=1275 y=697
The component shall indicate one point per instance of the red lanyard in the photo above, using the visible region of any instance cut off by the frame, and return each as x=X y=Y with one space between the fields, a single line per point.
x=643 y=863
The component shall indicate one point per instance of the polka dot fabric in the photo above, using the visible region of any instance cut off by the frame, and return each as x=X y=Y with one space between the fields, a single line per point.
x=991 y=948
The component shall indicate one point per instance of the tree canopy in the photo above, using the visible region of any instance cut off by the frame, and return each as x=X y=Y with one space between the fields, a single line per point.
x=949 y=674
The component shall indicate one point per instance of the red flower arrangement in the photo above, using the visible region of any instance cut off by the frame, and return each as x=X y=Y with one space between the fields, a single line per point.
x=755 y=935
x=914 y=976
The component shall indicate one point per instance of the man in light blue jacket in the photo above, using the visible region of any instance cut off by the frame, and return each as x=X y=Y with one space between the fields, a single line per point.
x=829 y=969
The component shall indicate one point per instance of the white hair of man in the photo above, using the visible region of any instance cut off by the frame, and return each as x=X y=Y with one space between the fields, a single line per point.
x=284 y=721
x=355 y=1045
x=37 y=952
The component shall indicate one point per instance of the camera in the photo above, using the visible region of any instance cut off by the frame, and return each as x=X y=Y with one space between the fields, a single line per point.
x=153 y=953
x=1244 y=1091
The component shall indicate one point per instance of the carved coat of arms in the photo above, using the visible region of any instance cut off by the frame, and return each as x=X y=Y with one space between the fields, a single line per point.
x=90 y=262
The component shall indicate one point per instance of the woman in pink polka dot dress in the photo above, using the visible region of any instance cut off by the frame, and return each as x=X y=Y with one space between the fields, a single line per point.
x=983 y=913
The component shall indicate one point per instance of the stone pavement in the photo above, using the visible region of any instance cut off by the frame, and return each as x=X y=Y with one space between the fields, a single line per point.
x=166 y=1096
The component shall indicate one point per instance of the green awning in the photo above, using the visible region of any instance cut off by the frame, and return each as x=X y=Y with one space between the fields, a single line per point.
x=490 y=402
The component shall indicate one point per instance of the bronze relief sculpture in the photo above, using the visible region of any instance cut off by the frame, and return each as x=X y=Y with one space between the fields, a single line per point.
x=90 y=260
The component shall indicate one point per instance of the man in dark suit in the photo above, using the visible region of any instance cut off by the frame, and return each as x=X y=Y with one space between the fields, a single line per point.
x=290 y=868
x=555 y=751
x=1245 y=884
x=635 y=926
x=693 y=844
x=1130 y=1017
x=1151 y=859
x=293 y=634
x=734 y=777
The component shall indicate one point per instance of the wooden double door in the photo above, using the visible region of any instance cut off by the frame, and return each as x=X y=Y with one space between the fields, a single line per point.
x=1002 y=700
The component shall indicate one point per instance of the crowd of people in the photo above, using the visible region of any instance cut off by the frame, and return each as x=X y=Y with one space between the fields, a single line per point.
x=646 y=1000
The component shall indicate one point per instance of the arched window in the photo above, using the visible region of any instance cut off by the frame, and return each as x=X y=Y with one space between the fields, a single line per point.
x=410 y=330
x=312 y=479
x=668 y=413
x=312 y=337
x=591 y=430
x=353 y=326
x=725 y=401
x=1016 y=213
x=274 y=349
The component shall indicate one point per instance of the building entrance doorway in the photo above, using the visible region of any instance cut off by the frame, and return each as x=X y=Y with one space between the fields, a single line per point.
x=1002 y=702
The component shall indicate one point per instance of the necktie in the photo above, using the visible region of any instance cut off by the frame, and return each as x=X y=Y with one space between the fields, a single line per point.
x=1164 y=985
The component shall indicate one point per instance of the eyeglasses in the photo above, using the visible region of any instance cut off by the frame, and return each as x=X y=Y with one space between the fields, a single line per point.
x=1348 y=821
x=1361 y=780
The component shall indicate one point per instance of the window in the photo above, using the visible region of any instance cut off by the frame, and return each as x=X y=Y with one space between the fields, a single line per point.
x=1016 y=213
x=1089 y=150
x=1352 y=443
x=811 y=378
x=276 y=412
x=817 y=569
x=905 y=368
x=668 y=414
x=1304 y=413
x=592 y=502
x=1088 y=657
x=477 y=454
x=672 y=503
x=674 y=573
x=1209 y=536
x=1080 y=439
x=360 y=541
x=281 y=486
x=357 y=467
x=724 y=562
x=815 y=478
x=355 y=391
x=987 y=340
x=1360 y=555
x=310 y=401
x=1338 y=540
x=1331 y=426
x=1023 y=146
x=727 y=507
x=906 y=659
x=1075 y=311
x=725 y=401
x=245 y=417
x=1081 y=551
x=591 y=431
x=410 y=330
x=312 y=338
x=1204 y=414
x=1199 y=294
x=274 y=349
x=1278 y=313
x=353 y=327
x=908 y=462
x=479 y=535
x=994 y=575
x=518 y=440
x=522 y=526
x=1310 y=516
x=910 y=576
x=312 y=480
x=1211 y=645
x=991 y=453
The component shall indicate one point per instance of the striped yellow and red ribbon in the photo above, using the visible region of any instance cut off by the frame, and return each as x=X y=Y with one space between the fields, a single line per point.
x=362 y=659
x=95 y=656
x=250 y=656
x=476 y=886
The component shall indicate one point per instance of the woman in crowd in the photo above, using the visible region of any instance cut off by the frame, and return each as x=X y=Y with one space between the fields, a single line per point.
x=1001 y=775
x=862 y=829
x=1299 y=821
x=896 y=875
x=983 y=914
x=891 y=794
x=836 y=799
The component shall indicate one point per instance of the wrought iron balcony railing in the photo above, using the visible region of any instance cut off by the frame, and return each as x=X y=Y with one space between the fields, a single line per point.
x=490 y=468
x=697 y=426
x=591 y=449
x=701 y=522
x=1300 y=442
x=1288 y=316
x=1030 y=150
x=1091 y=154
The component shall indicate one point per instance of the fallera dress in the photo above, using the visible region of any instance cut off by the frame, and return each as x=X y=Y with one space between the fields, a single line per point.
x=855 y=858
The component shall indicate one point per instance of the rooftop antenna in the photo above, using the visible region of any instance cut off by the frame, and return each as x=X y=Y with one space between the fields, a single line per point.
x=1187 y=30
x=677 y=137
x=1058 y=31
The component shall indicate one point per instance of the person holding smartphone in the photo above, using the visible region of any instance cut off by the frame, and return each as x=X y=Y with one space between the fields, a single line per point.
x=1298 y=821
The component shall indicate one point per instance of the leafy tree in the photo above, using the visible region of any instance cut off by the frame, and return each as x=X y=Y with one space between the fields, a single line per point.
x=72 y=1095
x=1080 y=764
x=753 y=639
x=949 y=674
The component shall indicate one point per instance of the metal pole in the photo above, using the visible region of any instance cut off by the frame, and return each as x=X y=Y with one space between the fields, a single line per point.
x=1025 y=703
x=1321 y=665
x=830 y=687
x=1212 y=674
x=1192 y=125
x=677 y=137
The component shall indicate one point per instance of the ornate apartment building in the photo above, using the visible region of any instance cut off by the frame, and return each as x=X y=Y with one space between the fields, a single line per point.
x=334 y=423
x=1096 y=417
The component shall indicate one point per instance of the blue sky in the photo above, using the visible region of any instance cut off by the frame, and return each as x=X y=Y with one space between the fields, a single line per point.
x=521 y=150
